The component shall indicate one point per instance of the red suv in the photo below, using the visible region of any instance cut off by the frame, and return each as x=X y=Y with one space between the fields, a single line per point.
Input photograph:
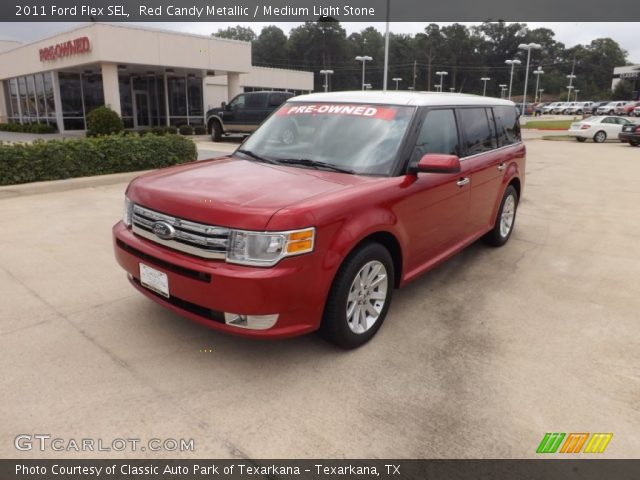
x=335 y=201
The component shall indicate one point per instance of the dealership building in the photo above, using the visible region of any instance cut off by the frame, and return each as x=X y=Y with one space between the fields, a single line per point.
x=150 y=77
x=630 y=73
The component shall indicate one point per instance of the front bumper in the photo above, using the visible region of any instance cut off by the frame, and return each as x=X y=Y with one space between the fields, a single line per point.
x=203 y=290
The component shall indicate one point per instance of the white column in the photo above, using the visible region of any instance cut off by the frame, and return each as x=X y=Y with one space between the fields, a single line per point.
x=110 y=87
x=233 y=85
x=4 y=108
x=57 y=100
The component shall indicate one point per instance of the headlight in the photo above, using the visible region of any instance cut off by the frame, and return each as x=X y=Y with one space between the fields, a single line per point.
x=268 y=248
x=127 y=213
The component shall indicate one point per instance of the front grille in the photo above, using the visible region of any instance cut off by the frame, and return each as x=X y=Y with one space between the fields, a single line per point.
x=207 y=241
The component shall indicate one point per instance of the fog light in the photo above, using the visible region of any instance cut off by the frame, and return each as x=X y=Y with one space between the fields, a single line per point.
x=253 y=322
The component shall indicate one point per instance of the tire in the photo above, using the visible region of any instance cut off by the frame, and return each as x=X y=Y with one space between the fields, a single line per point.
x=579 y=112
x=581 y=139
x=216 y=131
x=505 y=220
x=634 y=143
x=600 y=137
x=349 y=331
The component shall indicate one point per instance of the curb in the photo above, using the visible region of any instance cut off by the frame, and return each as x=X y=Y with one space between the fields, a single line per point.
x=39 y=188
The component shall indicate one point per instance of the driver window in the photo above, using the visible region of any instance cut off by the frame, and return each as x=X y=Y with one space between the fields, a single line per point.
x=237 y=102
x=438 y=134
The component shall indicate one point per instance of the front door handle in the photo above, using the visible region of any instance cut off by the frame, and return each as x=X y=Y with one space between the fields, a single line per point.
x=463 y=181
x=501 y=167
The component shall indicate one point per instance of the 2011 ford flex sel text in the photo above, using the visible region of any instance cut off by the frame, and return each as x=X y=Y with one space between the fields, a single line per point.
x=335 y=201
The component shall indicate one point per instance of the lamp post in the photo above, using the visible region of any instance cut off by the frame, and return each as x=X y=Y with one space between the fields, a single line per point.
x=540 y=96
x=513 y=63
x=537 y=73
x=441 y=75
x=503 y=88
x=484 y=88
x=576 y=97
x=326 y=74
x=528 y=47
x=367 y=86
x=570 y=87
x=397 y=80
x=364 y=59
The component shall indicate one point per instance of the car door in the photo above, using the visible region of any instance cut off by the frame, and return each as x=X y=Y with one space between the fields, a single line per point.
x=435 y=206
x=611 y=127
x=234 y=110
x=484 y=165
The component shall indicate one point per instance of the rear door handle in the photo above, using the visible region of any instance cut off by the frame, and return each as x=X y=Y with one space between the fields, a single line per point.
x=501 y=167
x=463 y=181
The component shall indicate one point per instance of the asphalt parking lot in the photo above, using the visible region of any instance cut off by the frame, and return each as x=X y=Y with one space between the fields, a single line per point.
x=478 y=358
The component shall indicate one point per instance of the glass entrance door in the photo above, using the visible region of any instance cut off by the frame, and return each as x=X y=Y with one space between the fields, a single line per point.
x=142 y=109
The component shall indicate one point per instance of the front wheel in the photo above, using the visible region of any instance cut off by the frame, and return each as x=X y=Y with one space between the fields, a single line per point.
x=216 y=131
x=634 y=143
x=359 y=298
x=600 y=137
x=505 y=219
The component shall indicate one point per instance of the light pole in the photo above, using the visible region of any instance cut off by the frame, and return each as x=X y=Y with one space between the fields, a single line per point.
x=503 y=88
x=364 y=59
x=484 y=88
x=528 y=47
x=326 y=74
x=513 y=63
x=367 y=86
x=570 y=77
x=540 y=96
x=397 y=80
x=576 y=97
x=569 y=88
x=441 y=75
x=386 y=49
x=537 y=73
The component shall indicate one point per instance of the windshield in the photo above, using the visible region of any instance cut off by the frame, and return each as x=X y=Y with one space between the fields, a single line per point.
x=356 y=138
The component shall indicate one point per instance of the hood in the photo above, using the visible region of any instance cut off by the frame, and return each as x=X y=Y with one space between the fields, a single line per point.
x=233 y=192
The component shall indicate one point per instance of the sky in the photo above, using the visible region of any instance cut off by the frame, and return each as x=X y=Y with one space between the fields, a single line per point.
x=625 y=33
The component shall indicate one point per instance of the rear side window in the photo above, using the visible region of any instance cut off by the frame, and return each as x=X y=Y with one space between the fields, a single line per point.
x=438 y=134
x=255 y=101
x=507 y=125
x=478 y=133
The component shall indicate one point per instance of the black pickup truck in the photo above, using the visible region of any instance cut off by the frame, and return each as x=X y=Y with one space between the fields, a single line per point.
x=243 y=113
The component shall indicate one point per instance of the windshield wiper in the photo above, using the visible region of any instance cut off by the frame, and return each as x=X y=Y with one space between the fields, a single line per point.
x=305 y=162
x=255 y=156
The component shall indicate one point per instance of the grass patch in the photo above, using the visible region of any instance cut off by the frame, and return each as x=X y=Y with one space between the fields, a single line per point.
x=559 y=138
x=549 y=124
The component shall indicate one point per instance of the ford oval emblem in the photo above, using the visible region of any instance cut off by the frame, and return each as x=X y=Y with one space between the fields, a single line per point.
x=163 y=230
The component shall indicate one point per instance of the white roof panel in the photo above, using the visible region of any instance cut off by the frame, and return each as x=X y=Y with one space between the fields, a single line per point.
x=401 y=98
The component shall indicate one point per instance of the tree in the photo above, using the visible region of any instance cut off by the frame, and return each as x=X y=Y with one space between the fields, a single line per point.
x=238 y=32
x=623 y=90
x=271 y=47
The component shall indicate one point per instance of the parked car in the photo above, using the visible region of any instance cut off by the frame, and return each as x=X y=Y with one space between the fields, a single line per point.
x=243 y=113
x=285 y=238
x=597 y=105
x=565 y=107
x=597 y=128
x=627 y=109
x=636 y=111
x=538 y=108
x=610 y=108
x=528 y=109
x=579 y=108
x=630 y=134
x=549 y=107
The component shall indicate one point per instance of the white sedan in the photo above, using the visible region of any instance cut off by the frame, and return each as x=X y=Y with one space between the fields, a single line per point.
x=598 y=128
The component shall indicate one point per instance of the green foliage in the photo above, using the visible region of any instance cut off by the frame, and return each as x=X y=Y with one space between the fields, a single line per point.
x=185 y=130
x=200 y=130
x=246 y=34
x=103 y=121
x=623 y=90
x=27 y=128
x=58 y=159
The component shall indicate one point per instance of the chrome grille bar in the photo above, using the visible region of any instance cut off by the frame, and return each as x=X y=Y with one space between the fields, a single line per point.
x=207 y=241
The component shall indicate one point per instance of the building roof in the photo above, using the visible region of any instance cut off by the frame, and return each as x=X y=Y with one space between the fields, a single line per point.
x=401 y=98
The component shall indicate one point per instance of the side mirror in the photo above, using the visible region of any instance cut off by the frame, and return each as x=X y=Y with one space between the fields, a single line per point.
x=223 y=105
x=438 y=163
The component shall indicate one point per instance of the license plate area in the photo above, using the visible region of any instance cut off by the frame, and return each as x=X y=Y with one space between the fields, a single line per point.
x=154 y=280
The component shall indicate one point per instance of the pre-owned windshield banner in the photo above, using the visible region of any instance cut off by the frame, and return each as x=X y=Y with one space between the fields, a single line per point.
x=312 y=10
